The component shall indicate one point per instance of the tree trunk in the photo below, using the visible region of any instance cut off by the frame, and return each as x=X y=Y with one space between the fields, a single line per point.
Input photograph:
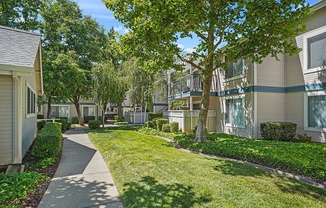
x=103 y=117
x=80 y=119
x=48 y=114
x=120 y=113
x=201 y=125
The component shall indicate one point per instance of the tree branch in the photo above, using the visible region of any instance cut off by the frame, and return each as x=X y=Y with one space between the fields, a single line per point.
x=190 y=62
x=201 y=35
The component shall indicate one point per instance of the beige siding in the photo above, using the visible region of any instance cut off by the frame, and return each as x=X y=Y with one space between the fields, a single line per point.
x=270 y=107
x=6 y=121
x=29 y=128
x=317 y=20
x=247 y=130
x=271 y=72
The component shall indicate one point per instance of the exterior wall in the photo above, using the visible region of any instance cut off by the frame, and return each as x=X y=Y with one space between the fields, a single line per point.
x=29 y=124
x=6 y=121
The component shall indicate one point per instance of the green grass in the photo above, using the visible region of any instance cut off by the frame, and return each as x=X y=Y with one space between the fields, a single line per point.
x=149 y=172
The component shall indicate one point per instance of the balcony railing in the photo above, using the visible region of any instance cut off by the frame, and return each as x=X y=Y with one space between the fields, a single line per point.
x=192 y=82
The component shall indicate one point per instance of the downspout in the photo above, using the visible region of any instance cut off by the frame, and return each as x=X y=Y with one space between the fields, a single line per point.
x=17 y=115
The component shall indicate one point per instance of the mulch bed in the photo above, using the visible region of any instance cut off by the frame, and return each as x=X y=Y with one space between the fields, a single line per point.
x=35 y=197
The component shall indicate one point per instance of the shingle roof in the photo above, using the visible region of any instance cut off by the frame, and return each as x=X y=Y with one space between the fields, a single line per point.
x=18 y=47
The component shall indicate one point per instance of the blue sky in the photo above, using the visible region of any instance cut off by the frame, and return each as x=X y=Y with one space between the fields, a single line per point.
x=97 y=10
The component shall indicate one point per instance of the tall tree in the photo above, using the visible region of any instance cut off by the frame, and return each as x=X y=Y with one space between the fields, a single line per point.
x=22 y=14
x=67 y=32
x=249 y=29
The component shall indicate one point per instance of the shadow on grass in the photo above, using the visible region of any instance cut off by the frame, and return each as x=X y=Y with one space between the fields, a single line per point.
x=148 y=192
x=113 y=128
x=285 y=184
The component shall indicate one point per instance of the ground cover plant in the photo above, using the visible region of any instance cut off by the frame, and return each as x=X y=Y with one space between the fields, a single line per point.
x=150 y=172
x=306 y=159
x=17 y=186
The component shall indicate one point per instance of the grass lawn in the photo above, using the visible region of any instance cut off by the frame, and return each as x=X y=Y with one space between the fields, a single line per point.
x=149 y=172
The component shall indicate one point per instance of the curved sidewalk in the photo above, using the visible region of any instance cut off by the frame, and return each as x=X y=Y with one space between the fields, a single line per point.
x=82 y=178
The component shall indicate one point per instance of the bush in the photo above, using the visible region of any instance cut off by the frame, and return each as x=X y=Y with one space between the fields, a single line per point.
x=194 y=130
x=166 y=128
x=160 y=122
x=304 y=137
x=278 y=130
x=121 y=123
x=69 y=125
x=74 y=120
x=174 y=126
x=40 y=124
x=150 y=124
x=152 y=116
x=40 y=117
x=64 y=124
x=88 y=118
x=94 y=124
x=110 y=116
x=48 y=141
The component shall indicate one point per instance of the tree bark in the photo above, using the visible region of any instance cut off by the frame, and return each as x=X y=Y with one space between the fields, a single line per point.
x=120 y=113
x=201 y=125
x=48 y=114
x=80 y=119
x=103 y=117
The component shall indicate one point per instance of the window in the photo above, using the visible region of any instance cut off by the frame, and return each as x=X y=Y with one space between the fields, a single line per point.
x=316 y=111
x=30 y=101
x=88 y=111
x=59 y=111
x=317 y=51
x=234 y=112
x=235 y=69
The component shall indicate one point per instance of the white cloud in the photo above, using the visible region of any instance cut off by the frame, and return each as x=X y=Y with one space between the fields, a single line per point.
x=182 y=47
x=121 y=29
x=101 y=16
x=189 y=50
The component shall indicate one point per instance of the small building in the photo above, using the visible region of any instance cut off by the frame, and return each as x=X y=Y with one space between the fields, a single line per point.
x=20 y=84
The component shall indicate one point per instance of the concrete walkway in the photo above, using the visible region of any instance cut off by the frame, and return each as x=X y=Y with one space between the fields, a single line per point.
x=82 y=178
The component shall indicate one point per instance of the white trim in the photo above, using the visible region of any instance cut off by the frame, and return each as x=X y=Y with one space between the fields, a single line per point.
x=232 y=97
x=13 y=68
x=82 y=109
x=17 y=117
x=255 y=127
x=305 y=38
x=305 y=112
x=60 y=105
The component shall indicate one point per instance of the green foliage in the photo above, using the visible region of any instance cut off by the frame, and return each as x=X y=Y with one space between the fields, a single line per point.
x=40 y=116
x=308 y=159
x=40 y=124
x=304 y=137
x=46 y=162
x=229 y=29
x=166 y=128
x=155 y=132
x=174 y=127
x=278 y=130
x=150 y=124
x=121 y=123
x=160 y=122
x=64 y=124
x=94 y=124
x=88 y=118
x=17 y=186
x=48 y=141
x=69 y=125
x=22 y=14
x=152 y=116
x=74 y=120
x=194 y=130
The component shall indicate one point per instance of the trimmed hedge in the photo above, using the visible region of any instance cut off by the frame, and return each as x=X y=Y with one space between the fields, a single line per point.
x=149 y=124
x=278 y=130
x=152 y=116
x=94 y=124
x=306 y=159
x=160 y=122
x=166 y=128
x=48 y=141
x=69 y=125
x=40 y=124
x=174 y=127
x=40 y=116
x=64 y=124
x=88 y=118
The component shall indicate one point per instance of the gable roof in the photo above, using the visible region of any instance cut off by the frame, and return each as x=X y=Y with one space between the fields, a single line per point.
x=18 y=47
